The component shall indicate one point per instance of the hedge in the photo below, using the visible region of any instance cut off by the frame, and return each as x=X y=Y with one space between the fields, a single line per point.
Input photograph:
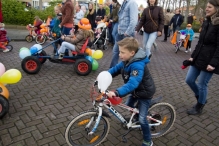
x=14 y=13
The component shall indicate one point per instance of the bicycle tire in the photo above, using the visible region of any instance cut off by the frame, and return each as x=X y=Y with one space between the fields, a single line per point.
x=79 y=133
x=40 y=39
x=159 y=111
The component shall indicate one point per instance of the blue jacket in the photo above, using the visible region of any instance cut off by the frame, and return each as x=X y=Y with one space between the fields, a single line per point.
x=188 y=32
x=136 y=76
x=128 y=17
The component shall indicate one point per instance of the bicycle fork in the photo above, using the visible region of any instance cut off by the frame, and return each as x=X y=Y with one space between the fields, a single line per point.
x=96 y=123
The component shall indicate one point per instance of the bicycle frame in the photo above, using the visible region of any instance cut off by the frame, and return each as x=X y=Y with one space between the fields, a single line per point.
x=106 y=103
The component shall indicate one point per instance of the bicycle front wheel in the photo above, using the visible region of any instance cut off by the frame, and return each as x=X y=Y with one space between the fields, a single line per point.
x=76 y=133
x=178 y=44
x=165 y=113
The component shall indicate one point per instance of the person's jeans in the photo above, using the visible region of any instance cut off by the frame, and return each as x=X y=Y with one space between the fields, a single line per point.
x=148 y=40
x=201 y=87
x=66 y=31
x=65 y=46
x=143 y=106
x=115 y=31
x=175 y=28
x=115 y=57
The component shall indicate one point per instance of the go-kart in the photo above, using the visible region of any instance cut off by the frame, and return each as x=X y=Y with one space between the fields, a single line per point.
x=4 y=104
x=32 y=64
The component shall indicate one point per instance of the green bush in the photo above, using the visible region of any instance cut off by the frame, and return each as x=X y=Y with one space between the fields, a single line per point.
x=14 y=12
x=195 y=26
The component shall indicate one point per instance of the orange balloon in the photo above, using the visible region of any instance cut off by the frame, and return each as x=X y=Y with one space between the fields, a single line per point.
x=88 y=51
x=4 y=91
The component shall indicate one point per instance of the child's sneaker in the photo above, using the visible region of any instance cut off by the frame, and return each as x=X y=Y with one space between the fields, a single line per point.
x=145 y=143
x=61 y=55
x=6 y=50
x=190 y=50
x=186 y=51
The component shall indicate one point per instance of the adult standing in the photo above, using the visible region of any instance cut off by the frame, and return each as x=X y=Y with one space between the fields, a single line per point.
x=190 y=19
x=128 y=19
x=114 y=19
x=67 y=15
x=167 y=17
x=78 y=16
x=205 y=57
x=176 y=20
x=67 y=18
x=101 y=12
x=152 y=20
x=91 y=16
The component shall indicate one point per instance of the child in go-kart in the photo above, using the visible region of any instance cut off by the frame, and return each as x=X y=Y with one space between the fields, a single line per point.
x=76 y=42
x=138 y=82
x=3 y=38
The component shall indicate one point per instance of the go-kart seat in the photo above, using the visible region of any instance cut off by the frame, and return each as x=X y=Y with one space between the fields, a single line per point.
x=82 y=49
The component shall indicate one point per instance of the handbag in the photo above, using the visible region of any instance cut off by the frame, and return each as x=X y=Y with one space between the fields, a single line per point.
x=152 y=19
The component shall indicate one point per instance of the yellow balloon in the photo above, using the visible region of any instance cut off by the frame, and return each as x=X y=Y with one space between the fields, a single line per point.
x=11 y=76
x=98 y=54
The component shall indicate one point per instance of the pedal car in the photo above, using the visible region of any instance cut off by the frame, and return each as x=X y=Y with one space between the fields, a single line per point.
x=32 y=64
x=4 y=104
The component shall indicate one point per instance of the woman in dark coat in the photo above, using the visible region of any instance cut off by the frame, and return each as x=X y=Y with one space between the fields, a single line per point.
x=205 y=57
x=91 y=16
x=152 y=20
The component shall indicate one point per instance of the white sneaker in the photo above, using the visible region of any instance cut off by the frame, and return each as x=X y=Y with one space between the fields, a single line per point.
x=190 y=50
x=6 y=50
x=186 y=51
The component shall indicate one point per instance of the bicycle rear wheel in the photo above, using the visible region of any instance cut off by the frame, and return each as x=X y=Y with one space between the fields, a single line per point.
x=76 y=133
x=165 y=113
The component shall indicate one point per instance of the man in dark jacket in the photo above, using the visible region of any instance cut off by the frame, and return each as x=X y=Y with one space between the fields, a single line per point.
x=190 y=19
x=101 y=12
x=176 y=20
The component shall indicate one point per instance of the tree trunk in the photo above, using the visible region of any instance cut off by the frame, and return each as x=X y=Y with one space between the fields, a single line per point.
x=41 y=4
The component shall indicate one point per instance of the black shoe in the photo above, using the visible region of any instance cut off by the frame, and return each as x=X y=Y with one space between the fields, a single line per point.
x=150 y=56
x=196 y=110
x=163 y=40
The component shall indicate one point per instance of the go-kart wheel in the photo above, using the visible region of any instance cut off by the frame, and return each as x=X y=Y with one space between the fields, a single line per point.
x=40 y=39
x=31 y=64
x=10 y=47
x=29 y=38
x=83 y=67
x=42 y=53
x=4 y=106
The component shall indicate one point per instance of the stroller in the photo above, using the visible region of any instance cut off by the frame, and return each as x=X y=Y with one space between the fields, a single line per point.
x=100 y=37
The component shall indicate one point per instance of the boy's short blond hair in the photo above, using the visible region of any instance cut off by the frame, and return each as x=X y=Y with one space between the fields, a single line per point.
x=129 y=43
x=58 y=7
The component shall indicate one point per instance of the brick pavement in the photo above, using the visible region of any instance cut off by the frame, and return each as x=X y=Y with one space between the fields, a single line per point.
x=41 y=105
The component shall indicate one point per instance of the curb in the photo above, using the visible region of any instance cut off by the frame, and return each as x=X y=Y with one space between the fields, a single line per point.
x=15 y=27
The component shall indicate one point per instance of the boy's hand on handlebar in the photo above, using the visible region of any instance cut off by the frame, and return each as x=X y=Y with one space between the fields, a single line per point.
x=111 y=94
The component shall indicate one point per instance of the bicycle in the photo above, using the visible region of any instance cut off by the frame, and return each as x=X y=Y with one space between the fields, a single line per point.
x=91 y=127
x=180 y=42
x=6 y=45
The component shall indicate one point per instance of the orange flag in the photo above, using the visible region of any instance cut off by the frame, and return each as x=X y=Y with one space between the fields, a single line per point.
x=186 y=41
x=173 y=39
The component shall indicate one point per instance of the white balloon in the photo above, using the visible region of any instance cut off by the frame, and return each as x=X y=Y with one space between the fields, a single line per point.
x=104 y=80
x=39 y=47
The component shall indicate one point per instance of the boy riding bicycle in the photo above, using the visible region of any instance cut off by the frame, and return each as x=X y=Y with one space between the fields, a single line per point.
x=188 y=31
x=138 y=82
